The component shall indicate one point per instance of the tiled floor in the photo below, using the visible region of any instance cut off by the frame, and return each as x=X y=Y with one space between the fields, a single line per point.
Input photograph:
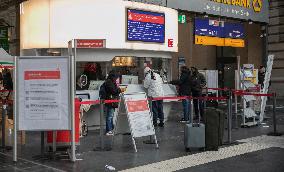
x=122 y=156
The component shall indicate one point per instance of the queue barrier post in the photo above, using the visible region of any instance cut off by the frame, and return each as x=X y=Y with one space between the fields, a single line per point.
x=101 y=124
x=274 y=133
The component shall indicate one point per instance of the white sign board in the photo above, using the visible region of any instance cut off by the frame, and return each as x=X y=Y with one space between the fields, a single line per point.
x=139 y=115
x=43 y=96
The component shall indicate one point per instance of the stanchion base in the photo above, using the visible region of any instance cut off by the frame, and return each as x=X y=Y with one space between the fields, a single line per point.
x=230 y=143
x=152 y=142
x=102 y=149
x=274 y=134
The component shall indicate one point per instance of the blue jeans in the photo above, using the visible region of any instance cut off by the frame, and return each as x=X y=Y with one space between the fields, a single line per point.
x=186 y=109
x=109 y=118
x=157 y=109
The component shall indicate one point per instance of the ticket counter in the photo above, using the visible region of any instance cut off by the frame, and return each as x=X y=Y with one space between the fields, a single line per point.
x=92 y=116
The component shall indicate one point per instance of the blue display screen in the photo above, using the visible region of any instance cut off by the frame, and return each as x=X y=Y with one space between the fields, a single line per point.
x=145 y=26
x=203 y=28
x=206 y=27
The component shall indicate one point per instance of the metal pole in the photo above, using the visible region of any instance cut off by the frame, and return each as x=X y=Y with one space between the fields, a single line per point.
x=53 y=141
x=42 y=142
x=230 y=118
x=102 y=124
x=274 y=113
x=73 y=146
x=3 y=126
x=15 y=110
x=274 y=133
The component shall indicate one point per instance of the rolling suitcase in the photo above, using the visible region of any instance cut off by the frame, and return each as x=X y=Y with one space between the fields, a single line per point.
x=194 y=135
x=214 y=130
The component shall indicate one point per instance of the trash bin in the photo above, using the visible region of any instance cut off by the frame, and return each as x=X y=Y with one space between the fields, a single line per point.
x=63 y=138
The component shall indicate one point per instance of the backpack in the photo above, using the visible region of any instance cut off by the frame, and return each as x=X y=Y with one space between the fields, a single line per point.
x=102 y=91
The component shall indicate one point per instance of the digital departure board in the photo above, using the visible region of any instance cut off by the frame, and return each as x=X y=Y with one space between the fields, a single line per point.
x=219 y=33
x=145 y=26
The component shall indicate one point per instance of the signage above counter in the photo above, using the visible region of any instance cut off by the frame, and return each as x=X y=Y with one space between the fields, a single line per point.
x=254 y=10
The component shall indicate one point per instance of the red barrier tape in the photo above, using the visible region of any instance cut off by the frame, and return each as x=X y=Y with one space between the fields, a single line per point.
x=240 y=93
x=210 y=98
x=218 y=89
x=88 y=102
x=111 y=101
x=153 y=99
x=170 y=98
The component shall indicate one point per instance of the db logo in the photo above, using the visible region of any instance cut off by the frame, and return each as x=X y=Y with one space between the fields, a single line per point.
x=257 y=5
x=170 y=43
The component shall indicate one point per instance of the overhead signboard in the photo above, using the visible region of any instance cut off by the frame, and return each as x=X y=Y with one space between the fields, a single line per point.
x=219 y=33
x=43 y=98
x=207 y=40
x=255 y=10
x=91 y=43
x=145 y=26
x=206 y=27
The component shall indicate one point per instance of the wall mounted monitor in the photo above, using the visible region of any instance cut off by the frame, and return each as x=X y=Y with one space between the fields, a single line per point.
x=145 y=26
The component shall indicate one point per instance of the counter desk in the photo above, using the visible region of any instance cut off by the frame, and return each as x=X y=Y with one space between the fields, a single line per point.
x=92 y=116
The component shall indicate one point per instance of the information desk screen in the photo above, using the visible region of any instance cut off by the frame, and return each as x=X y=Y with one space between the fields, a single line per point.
x=145 y=26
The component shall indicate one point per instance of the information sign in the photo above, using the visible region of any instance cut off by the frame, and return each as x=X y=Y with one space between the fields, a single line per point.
x=43 y=97
x=139 y=115
x=145 y=26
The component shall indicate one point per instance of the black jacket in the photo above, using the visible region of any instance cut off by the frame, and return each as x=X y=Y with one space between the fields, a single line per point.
x=112 y=90
x=198 y=81
x=184 y=83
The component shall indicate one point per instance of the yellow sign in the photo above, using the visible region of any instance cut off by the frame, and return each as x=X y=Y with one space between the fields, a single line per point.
x=255 y=4
x=207 y=40
x=234 y=42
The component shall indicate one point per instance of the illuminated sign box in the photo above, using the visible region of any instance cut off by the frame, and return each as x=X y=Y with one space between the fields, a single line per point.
x=207 y=40
x=219 y=33
x=145 y=26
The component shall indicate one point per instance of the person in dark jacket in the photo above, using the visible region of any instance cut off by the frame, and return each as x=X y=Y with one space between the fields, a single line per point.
x=112 y=92
x=184 y=84
x=198 y=82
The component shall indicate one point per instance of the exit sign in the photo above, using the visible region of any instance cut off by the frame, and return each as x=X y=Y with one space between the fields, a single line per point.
x=181 y=18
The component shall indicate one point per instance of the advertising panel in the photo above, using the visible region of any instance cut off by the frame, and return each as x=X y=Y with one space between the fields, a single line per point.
x=145 y=26
x=43 y=93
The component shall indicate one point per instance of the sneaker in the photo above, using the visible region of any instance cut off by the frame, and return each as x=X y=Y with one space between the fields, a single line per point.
x=110 y=133
x=161 y=124
x=155 y=124
x=183 y=121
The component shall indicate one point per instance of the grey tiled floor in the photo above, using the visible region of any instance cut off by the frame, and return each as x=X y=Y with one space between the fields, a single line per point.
x=122 y=155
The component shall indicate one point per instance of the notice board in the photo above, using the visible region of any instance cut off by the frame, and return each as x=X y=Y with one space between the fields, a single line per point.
x=139 y=115
x=43 y=93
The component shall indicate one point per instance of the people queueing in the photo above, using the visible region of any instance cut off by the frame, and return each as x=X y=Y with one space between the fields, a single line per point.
x=154 y=85
x=198 y=82
x=110 y=91
x=184 y=89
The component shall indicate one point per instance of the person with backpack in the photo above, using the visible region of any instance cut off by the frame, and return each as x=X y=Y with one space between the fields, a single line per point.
x=110 y=91
x=198 y=82
x=154 y=84
x=184 y=85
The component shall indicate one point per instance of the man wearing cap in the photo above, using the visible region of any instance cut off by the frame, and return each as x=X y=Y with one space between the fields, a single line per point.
x=154 y=84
